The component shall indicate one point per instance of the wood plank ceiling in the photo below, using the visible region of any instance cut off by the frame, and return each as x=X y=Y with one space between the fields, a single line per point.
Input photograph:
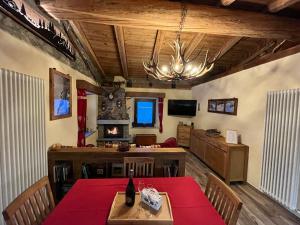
x=119 y=35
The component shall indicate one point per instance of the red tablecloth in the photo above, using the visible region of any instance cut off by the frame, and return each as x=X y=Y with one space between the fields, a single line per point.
x=89 y=202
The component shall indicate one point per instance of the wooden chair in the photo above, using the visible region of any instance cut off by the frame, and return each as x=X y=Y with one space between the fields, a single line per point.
x=223 y=199
x=142 y=166
x=32 y=206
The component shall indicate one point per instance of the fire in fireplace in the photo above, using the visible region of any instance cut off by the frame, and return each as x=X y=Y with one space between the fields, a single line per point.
x=113 y=131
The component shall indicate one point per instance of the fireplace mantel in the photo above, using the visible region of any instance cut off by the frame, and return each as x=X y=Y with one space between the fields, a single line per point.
x=102 y=122
x=126 y=139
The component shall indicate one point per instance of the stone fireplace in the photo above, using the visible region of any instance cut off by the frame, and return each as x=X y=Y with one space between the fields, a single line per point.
x=113 y=131
x=113 y=119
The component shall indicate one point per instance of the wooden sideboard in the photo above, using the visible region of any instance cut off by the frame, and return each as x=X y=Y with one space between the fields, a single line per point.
x=184 y=135
x=145 y=139
x=230 y=161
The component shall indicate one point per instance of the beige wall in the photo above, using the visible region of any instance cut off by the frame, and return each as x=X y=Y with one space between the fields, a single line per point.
x=18 y=56
x=91 y=118
x=92 y=111
x=169 y=122
x=250 y=87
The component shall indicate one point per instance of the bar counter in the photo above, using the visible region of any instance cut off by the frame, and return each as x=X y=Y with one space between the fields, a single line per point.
x=107 y=157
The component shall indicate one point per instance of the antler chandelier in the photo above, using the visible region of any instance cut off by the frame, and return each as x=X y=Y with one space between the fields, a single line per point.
x=181 y=67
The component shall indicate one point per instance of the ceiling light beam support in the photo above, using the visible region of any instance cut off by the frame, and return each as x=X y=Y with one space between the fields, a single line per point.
x=194 y=44
x=158 y=44
x=83 y=39
x=119 y=32
x=226 y=48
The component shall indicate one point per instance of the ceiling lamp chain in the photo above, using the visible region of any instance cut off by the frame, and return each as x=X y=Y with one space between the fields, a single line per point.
x=181 y=67
x=182 y=20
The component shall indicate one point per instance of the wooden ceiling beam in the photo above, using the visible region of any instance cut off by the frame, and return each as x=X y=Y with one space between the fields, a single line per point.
x=226 y=48
x=83 y=84
x=258 y=53
x=159 y=40
x=138 y=82
x=255 y=59
x=119 y=32
x=194 y=44
x=136 y=94
x=165 y=15
x=86 y=44
x=277 y=5
x=227 y=2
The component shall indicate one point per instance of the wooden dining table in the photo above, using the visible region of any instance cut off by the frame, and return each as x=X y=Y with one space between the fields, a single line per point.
x=89 y=201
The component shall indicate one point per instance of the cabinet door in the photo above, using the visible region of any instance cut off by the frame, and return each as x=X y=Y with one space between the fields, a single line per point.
x=194 y=142
x=215 y=158
x=183 y=136
x=198 y=147
x=201 y=148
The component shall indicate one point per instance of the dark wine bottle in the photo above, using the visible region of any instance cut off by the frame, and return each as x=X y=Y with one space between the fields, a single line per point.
x=130 y=191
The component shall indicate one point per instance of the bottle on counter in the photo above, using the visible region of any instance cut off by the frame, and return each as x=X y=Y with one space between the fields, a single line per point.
x=130 y=191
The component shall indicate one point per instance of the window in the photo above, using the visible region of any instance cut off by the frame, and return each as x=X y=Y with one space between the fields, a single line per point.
x=144 y=112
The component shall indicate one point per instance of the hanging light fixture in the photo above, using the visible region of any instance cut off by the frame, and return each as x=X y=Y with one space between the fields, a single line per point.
x=180 y=67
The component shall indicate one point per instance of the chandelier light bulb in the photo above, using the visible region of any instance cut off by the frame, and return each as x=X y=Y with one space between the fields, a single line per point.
x=188 y=67
x=194 y=70
x=182 y=66
x=165 y=68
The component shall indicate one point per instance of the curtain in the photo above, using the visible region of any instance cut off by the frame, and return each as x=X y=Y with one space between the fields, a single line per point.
x=81 y=116
x=160 y=113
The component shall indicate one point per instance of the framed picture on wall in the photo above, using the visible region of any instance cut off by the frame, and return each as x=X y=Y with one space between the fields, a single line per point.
x=220 y=106
x=60 y=94
x=212 y=106
x=231 y=106
x=224 y=106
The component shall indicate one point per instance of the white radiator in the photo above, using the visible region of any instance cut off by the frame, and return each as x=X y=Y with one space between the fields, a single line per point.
x=22 y=134
x=281 y=155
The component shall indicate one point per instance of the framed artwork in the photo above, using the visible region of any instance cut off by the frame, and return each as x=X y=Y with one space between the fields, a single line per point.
x=220 y=106
x=212 y=106
x=231 y=106
x=224 y=106
x=231 y=137
x=60 y=95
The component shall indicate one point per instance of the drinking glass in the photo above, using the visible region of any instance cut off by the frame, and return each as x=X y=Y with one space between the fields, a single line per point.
x=141 y=186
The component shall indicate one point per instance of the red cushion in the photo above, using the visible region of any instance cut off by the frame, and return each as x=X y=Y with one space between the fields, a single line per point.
x=169 y=143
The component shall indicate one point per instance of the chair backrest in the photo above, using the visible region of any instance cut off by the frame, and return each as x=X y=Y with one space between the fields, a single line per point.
x=223 y=199
x=32 y=206
x=142 y=166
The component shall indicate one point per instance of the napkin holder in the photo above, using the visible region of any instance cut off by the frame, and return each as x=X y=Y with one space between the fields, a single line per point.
x=151 y=197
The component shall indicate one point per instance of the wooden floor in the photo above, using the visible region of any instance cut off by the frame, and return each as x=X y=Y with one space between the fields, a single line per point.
x=257 y=208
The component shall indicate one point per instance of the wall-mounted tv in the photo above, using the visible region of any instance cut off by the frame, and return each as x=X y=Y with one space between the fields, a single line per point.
x=182 y=107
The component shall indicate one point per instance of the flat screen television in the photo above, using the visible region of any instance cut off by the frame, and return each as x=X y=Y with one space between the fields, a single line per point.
x=182 y=107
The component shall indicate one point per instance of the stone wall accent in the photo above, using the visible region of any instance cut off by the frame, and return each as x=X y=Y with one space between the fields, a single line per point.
x=115 y=108
x=17 y=30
